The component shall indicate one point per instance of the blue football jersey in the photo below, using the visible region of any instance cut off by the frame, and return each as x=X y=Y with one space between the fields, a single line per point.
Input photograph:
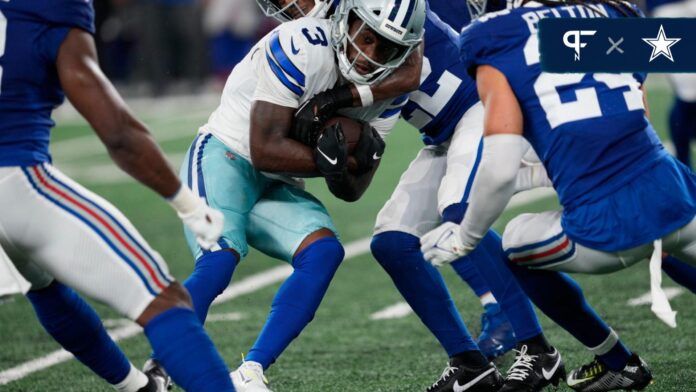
x=589 y=130
x=446 y=91
x=31 y=33
x=453 y=12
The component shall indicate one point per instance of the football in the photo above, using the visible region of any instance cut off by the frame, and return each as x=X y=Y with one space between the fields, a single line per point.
x=351 y=130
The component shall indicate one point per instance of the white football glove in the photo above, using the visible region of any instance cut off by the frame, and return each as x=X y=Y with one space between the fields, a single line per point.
x=443 y=245
x=205 y=222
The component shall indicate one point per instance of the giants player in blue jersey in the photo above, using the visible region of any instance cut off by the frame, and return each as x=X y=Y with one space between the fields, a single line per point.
x=61 y=235
x=605 y=162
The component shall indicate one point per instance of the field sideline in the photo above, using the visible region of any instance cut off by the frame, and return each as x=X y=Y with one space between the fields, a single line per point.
x=363 y=338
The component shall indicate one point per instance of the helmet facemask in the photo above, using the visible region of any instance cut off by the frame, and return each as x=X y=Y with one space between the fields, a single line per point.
x=285 y=13
x=391 y=54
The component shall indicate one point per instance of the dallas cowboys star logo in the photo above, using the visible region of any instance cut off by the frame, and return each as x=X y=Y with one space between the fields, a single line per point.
x=661 y=45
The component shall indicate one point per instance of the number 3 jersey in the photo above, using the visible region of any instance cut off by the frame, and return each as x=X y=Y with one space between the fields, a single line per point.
x=287 y=67
x=31 y=33
x=589 y=130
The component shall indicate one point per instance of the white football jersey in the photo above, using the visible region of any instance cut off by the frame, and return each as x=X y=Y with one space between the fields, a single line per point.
x=287 y=67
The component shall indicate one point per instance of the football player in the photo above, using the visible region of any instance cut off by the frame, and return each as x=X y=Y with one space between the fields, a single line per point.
x=611 y=218
x=61 y=235
x=452 y=129
x=244 y=162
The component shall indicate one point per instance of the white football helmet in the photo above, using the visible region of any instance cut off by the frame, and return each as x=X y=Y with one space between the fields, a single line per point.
x=398 y=21
x=273 y=9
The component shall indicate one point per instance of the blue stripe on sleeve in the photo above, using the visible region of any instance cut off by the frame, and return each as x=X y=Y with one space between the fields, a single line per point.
x=284 y=61
x=281 y=76
x=401 y=100
x=390 y=112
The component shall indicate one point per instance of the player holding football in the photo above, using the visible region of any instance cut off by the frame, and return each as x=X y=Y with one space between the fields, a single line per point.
x=244 y=162
x=452 y=136
x=610 y=217
x=61 y=235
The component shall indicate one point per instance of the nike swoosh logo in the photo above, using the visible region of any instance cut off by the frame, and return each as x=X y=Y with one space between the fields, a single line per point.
x=461 y=388
x=331 y=161
x=572 y=382
x=376 y=157
x=549 y=374
x=292 y=47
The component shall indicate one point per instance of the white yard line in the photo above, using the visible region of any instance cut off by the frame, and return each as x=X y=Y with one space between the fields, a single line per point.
x=245 y=286
x=646 y=299
x=396 y=311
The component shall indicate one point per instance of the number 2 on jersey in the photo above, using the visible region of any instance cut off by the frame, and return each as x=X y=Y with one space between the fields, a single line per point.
x=3 y=39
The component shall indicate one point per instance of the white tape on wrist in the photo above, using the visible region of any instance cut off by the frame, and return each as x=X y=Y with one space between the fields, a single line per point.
x=184 y=201
x=365 y=92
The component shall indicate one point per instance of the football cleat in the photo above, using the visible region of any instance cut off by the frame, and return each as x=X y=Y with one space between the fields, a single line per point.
x=249 y=378
x=157 y=376
x=464 y=379
x=596 y=377
x=534 y=372
x=497 y=336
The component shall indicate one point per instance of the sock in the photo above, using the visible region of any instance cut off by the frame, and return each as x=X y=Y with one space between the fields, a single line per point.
x=464 y=268
x=134 y=381
x=682 y=126
x=612 y=352
x=491 y=262
x=422 y=287
x=561 y=298
x=297 y=299
x=487 y=299
x=211 y=275
x=537 y=344
x=186 y=352
x=76 y=326
x=680 y=272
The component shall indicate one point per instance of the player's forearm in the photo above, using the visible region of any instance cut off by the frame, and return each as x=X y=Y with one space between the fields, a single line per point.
x=284 y=156
x=138 y=154
x=493 y=187
x=271 y=148
x=403 y=80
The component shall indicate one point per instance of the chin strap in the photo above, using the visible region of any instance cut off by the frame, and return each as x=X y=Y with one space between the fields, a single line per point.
x=660 y=303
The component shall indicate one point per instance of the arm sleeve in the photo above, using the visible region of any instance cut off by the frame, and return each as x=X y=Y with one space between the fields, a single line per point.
x=282 y=78
x=71 y=13
x=494 y=185
x=61 y=16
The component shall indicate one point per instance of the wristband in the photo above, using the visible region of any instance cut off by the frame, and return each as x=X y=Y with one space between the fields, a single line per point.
x=184 y=201
x=365 y=92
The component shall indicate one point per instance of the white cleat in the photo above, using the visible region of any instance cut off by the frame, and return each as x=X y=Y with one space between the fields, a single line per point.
x=249 y=378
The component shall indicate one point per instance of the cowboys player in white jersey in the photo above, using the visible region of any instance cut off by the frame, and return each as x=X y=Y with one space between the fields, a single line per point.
x=244 y=161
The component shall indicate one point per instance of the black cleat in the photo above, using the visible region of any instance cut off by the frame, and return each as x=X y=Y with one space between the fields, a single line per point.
x=534 y=372
x=596 y=377
x=158 y=379
x=464 y=379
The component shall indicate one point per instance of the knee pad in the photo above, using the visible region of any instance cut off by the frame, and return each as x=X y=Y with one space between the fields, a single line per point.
x=390 y=247
x=321 y=256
